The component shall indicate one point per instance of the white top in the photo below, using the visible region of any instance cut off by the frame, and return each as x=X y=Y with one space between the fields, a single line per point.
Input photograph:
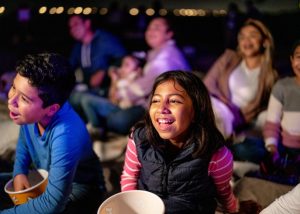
x=243 y=84
x=287 y=203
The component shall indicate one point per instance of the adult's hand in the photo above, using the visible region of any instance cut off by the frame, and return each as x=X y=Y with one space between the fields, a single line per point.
x=96 y=79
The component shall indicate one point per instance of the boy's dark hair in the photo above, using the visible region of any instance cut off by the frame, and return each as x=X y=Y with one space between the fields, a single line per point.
x=203 y=130
x=50 y=73
x=294 y=46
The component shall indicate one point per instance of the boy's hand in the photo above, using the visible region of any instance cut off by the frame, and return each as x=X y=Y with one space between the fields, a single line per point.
x=21 y=182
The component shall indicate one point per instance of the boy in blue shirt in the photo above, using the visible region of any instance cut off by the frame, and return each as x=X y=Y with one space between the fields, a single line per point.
x=54 y=138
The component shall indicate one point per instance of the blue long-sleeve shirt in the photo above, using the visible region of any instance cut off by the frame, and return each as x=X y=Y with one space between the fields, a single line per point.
x=65 y=151
x=104 y=50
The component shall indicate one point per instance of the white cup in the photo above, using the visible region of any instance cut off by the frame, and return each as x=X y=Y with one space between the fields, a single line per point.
x=132 y=202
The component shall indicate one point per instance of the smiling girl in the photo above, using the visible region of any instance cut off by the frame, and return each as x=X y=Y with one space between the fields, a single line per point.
x=281 y=130
x=177 y=152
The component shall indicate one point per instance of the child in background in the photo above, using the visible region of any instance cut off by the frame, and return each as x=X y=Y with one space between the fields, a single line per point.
x=177 y=152
x=98 y=108
x=131 y=68
x=163 y=55
x=52 y=137
x=282 y=130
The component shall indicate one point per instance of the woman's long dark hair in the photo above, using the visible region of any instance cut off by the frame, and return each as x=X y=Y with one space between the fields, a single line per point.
x=203 y=130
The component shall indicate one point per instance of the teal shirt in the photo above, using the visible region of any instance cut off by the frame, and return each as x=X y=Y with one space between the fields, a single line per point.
x=65 y=151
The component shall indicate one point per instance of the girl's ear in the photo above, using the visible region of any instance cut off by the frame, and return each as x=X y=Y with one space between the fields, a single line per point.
x=53 y=109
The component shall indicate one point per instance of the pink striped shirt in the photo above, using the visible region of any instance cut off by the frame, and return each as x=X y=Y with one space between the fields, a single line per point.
x=220 y=169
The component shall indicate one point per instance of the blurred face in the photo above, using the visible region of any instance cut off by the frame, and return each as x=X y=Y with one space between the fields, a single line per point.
x=295 y=63
x=250 y=41
x=128 y=66
x=171 y=112
x=157 y=33
x=24 y=104
x=78 y=27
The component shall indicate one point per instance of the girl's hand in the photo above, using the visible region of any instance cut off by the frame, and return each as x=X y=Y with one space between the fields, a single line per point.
x=272 y=149
x=21 y=182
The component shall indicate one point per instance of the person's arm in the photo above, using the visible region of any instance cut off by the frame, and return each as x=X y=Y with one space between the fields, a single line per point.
x=272 y=127
x=22 y=159
x=74 y=58
x=131 y=168
x=287 y=203
x=114 y=77
x=106 y=51
x=211 y=79
x=97 y=78
x=64 y=155
x=22 y=162
x=220 y=169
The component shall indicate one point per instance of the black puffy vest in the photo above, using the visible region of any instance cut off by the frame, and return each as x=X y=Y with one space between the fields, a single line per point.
x=183 y=184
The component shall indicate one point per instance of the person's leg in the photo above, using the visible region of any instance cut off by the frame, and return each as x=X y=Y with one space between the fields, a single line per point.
x=122 y=120
x=75 y=101
x=252 y=149
x=84 y=199
x=290 y=161
x=95 y=107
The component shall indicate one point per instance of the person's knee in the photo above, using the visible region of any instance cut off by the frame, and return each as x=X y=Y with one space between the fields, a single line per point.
x=122 y=121
x=85 y=101
x=118 y=125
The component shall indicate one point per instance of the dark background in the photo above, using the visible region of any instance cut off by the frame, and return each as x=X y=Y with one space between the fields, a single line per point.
x=202 y=39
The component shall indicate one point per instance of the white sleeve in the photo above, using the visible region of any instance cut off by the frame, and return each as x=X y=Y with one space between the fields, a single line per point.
x=274 y=112
x=287 y=203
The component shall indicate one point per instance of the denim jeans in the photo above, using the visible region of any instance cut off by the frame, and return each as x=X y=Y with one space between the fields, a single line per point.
x=121 y=121
x=84 y=199
x=74 y=100
x=77 y=98
x=251 y=149
x=98 y=109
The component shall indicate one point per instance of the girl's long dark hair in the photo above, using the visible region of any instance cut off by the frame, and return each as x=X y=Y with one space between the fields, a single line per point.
x=203 y=130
